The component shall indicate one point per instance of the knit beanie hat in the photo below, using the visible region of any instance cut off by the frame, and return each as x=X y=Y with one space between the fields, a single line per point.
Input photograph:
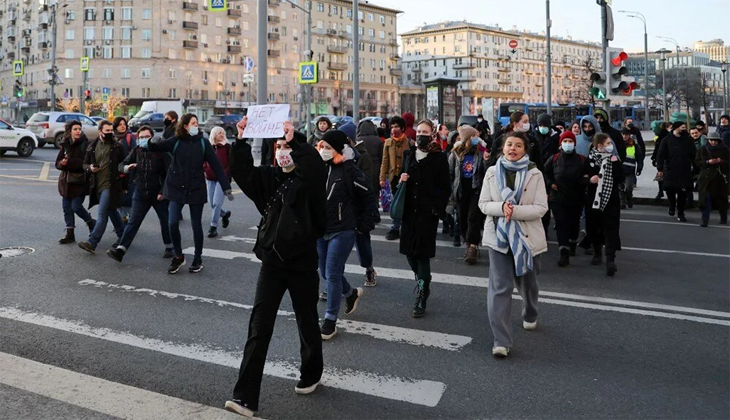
x=466 y=132
x=567 y=135
x=349 y=129
x=337 y=139
x=677 y=124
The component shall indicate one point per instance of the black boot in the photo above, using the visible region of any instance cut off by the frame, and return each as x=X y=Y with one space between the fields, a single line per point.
x=212 y=232
x=573 y=246
x=69 y=238
x=597 y=255
x=723 y=218
x=423 y=290
x=611 y=268
x=564 y=257
x=91 y=224
x=622 y=198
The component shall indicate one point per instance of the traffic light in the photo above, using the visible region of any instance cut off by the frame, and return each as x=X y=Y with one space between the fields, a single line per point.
x=87 y=95
x=598 y=90
x=18 y=89
x=632 y=87
x=617 y=71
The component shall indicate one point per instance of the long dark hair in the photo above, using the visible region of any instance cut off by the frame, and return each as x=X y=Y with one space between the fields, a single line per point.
x=185 y=120
x=514 y=118
x=387 y=126
x=67 y=130
x=117 y=121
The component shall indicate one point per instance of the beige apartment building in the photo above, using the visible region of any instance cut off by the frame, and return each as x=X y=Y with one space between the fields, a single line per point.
x=179 y=50
x=716 y=48
x=487 y=67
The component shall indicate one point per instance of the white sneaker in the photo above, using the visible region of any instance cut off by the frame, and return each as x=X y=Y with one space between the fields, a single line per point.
x=500 y=351
x=529 y=326
x=305 y=390
x=234 y=406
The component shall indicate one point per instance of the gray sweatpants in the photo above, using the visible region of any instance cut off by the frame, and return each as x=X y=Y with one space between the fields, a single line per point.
x=502 y=280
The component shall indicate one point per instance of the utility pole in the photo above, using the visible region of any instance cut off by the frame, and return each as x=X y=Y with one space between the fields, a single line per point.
x=549 y=60
x=356 y=71
x=308 y=54
x=724 y=88
x=641 y=17
x=262 y=94
x=604 y=48
x=53 y=71
x=663 y=53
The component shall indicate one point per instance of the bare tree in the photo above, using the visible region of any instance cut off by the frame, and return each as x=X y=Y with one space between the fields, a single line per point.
x=587 y=66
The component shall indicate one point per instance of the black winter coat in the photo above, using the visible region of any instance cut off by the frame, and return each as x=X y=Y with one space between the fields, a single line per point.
x=590 y=168
x=566 y=170
x=714 y=178
x=151 y=170
x=676 y=159
x=185 y=182
x=351 y=203
x=548 y=144
x=427 y=193
x=169 y=131
x=724 y=132
x=75 y=153
x=292 y=205
x=368 y=134
x=118 y=183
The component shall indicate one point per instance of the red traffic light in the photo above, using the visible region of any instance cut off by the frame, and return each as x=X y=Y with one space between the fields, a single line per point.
x=87 y=92
x=632 y=86
x=622 y=56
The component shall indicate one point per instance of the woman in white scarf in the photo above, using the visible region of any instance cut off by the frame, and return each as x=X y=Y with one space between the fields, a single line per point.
x=514 y=200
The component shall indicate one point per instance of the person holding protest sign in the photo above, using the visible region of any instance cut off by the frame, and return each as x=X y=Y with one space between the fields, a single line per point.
x=291 y=200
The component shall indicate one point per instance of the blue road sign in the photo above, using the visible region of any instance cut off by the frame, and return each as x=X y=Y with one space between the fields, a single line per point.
x=308 y=72
x=248 y=64
x=218 y=5
x=105 y=90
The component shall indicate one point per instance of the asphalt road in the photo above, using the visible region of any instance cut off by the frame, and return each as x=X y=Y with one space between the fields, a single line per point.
x=651 y=342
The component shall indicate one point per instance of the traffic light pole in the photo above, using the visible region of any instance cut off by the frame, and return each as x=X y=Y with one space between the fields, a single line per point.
x=53 y=70
x=604 y=48
x=82 y=99
x=356 y=71
x=549 y=61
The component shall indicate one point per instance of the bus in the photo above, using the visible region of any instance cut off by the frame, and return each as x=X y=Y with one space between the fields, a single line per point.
x=571 y=112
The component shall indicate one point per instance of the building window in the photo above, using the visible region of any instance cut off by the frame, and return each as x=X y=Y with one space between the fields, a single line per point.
x=320 y=7
x=125 y=73
x=107 y=52
x=146 y=73
x=70 y=15
x=371 y=17
x=107 y=33
x=70 y=34
x=382 y=34
x=349 y=13
x=146 y=53
x=69 y=53
x=244 y=8
x=126 y=13
x=89 y=34
x=146 y=34
x=146 y=92
x=69 y=74
x=382 y=19
x=126 y=52
x=172 y=93
x=126 y=33
x=108 y=13
x=172 y=54
x=146 y=13
x=173 y=73
x=89 y=14
x=125 y=92
x=106 y=73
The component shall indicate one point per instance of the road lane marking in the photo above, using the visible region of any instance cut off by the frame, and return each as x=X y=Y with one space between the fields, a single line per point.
x=415 y=391
x=657 y=222
x=667 y=251
x=100 y=395
x=482 y=282
x=384 y=332
x=27 y=178
x=45 y=170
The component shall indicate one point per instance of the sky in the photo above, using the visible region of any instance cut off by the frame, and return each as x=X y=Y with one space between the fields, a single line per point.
x=581 y=19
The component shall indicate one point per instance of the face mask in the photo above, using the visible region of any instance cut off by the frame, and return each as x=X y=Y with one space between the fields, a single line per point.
x=396 y=132
x=609 y=148
x=479 y=120
x=326 y=154
x=631 y=126
x=423 y=141
x=108 y=136
x=143 y=141
x=568 y=147
x=590 y=133
x=193 y=130
x=283 y=158
x=167 y=122
x=526 y=127
x=544 y=130
x=474 y=141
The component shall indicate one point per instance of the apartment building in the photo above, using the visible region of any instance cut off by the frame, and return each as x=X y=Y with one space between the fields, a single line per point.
x=174 y=49
x=716 y=48
x=481 y=57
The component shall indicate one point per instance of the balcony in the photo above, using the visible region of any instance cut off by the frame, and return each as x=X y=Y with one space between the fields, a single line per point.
x=337 y=66
x=393 y=42
x=11 y=36
x=331 y=32
x=25 y=50
x=234 y=49
x=342 y=34
x=43 y=45
x=334 y=49
x=273 y=53
x=11 y=55
x=416 y=70
x=504 y=80
x=234 y=31
x=234 y=12
x=394 y=57
x=273 y=19
x=190 y=25
x=273 y=36
x=274 y=3
x=190 y=44
x=503 y=70
x=469 y=64
x=188 y=5
x=394 y=71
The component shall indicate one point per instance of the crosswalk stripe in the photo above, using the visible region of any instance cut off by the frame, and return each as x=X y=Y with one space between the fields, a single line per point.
x=384 y=332
x=483 y=282
x=107 y=397
x=422 y=392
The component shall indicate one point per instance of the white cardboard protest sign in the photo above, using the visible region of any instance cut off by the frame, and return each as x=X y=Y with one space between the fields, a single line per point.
x=266 y=121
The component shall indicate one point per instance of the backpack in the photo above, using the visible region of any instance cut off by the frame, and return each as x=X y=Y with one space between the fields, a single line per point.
x=177 y=143
x=557 y=155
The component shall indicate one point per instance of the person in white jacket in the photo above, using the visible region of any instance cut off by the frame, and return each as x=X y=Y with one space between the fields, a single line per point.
x=514 y=200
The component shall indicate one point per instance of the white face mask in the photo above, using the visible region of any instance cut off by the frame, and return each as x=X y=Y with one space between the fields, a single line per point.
x=193 y=130
x=526 y=127
x=283 y=158
x=326 y=154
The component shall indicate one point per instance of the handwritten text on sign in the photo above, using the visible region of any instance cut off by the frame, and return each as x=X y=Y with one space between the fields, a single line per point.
x=266 y=121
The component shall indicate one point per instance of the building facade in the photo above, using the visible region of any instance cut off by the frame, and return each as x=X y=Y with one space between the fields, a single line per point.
x=716 y=48
x=489 y=67
x=173 y=49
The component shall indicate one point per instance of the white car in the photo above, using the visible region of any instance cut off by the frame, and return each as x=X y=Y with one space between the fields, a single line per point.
x=18 y=140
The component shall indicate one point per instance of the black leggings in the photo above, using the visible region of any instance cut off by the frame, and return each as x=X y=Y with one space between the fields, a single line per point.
x=421 y=268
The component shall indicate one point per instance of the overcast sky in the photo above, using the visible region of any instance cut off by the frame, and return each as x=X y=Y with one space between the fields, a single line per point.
x=686 y=21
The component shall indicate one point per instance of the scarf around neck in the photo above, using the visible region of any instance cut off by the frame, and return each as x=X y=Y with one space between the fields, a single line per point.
x=318 y=134
x=509 y=234
x=605 y=178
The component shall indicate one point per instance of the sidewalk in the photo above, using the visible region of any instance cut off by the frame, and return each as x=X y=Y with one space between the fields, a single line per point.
x=646 y=188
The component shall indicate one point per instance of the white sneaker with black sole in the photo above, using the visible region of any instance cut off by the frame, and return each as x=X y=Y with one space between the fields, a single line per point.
x=529 y=326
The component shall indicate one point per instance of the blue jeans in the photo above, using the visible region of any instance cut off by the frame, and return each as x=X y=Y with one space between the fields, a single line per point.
x=333 y=255
x=141 y=204
x=126 y=209
x=396 y=224
x=708 y=207
x=71 y=206
x=105 y=214
x=364 y=250
x=196 y=217
x=215 y=198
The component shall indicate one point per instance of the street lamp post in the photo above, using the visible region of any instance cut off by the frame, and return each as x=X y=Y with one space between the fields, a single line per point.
x=641 y=17
x=724 y=88
x=53 y=71
x=674 y=41
x=549 y=60
x=663 y=53
x=356 y=59
x=305 y=90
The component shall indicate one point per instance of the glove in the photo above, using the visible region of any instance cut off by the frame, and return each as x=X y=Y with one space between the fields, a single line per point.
x=229 y=194
x=638 y=173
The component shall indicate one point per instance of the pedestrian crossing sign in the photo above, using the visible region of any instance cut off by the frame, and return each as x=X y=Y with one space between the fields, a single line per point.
x=308 y=72
x=84 y=64
x=218 y=5
x=18 y=69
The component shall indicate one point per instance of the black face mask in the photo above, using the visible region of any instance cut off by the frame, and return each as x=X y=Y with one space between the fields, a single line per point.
x=589 y=133
x=423 y=141
x=109 y=136
x=167 y=122
x=631 y=126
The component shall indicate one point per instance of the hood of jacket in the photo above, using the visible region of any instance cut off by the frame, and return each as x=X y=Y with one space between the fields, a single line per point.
x=583 y=142
x=410 y=119
x=366 y=128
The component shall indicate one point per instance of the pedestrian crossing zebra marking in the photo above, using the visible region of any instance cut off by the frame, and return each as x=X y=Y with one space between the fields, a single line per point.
x=416 y=391
x=410 y=336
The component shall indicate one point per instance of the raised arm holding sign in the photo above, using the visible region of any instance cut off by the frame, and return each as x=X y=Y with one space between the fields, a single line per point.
x=266 y=121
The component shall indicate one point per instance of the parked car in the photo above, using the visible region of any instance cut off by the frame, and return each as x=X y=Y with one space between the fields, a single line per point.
x=338 y=121
x=375 y=120
x=16 y=139
x=97 y=119
x=48 y=127
x=156 y=121
x=227 y=121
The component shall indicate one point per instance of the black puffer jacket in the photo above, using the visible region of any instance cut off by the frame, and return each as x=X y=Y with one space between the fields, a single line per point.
x=292 y=205
x=351 y=203
x=150 y=172
x=565 y=170
x=676 y=159
x=367 y=133
x=185 y=182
